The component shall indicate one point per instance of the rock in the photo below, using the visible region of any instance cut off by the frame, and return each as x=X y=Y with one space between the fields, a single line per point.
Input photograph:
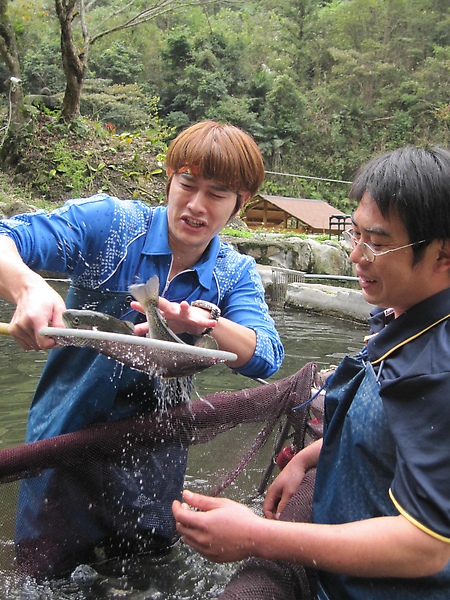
x=308 y=255
x=237 y=223
x=334 y=301
x=9 y=209
x=52 y=102
x=329 y=300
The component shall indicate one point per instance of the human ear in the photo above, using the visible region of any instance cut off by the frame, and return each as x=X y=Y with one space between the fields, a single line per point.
x=243 y=198
x=443 y=257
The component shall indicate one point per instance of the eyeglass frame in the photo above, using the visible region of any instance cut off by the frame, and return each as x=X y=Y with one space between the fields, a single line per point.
x=352 y=242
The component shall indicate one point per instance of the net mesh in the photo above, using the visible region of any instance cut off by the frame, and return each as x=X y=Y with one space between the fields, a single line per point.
x=84 y=460
x=281 y=278
x=155 y=357
x=276 y=580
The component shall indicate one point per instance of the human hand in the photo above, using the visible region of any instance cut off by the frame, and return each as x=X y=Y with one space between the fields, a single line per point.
x=180 y=317
x=39 y=305
x=282 y=489
x=219 y=529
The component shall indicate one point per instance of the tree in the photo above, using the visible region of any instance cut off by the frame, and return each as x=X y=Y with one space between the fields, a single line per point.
x=76 y=46
x=10 y=146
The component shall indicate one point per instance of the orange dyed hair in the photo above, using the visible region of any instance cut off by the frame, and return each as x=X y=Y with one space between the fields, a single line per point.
x=223 y=153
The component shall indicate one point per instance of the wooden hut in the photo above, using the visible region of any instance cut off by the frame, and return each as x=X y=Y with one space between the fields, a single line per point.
x=297 y=214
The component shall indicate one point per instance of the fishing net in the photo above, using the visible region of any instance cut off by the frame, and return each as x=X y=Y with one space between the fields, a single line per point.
x=151 y=356
x=277 y=580
x=245 y=420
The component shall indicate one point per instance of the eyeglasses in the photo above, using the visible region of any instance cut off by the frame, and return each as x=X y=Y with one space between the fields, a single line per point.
x=369 y=253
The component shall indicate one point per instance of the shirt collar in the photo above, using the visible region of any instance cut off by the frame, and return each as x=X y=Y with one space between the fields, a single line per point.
x=157 y=244
x=407 y=325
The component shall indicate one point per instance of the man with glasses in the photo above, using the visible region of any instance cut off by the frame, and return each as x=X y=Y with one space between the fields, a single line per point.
x=381 y=507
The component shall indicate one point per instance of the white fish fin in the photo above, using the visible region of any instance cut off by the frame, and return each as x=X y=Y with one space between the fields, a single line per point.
x=146 y=292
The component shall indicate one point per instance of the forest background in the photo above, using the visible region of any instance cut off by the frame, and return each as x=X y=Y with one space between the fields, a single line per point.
x=321 y=85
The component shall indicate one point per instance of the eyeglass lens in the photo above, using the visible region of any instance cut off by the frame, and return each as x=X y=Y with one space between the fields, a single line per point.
x=366 y=250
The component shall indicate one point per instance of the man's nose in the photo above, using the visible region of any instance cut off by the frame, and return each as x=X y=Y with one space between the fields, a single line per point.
x=197 y=201
x=356 y=253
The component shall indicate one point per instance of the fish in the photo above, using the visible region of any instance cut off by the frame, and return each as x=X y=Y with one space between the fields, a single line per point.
x=95 y=585
x=147 y=294
x=166 y=363
x=97 y=321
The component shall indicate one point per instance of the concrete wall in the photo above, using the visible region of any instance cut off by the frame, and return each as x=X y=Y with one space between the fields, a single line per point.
x=326 y=299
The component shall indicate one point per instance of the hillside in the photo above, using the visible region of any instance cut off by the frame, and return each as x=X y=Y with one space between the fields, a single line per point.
x=62 y=162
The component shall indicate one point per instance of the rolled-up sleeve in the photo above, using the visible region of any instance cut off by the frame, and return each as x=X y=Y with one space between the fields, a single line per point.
x=245 y=304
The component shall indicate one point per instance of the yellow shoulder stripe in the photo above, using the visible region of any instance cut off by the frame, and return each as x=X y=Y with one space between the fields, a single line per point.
x=413 y=337
x=415 y=522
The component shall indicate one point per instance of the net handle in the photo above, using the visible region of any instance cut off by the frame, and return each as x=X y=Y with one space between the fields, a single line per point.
x=4 y=328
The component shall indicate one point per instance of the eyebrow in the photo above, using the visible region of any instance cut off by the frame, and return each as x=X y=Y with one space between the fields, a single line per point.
x=214 y=185
x=373 y=230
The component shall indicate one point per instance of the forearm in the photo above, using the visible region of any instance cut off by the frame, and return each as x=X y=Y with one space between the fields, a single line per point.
x=15 y=276
x=309 y=456
x=287 y=482
x=382 y=547
x=232 y=337
x=226 y=531
x=37 y=303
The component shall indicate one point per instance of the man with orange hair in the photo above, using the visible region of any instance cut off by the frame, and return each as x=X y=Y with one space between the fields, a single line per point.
x=104 y=245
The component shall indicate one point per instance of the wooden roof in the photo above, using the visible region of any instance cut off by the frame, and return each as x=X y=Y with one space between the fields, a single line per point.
x=313 y=214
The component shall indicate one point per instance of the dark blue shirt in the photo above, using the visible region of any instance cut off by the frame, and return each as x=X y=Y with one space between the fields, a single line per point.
x=386 y=449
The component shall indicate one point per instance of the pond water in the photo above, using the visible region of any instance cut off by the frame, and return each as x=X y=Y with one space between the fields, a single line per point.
x=182 y=575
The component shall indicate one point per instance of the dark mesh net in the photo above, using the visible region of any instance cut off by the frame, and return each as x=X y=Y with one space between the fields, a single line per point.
x=276 y=580
x=83 y=472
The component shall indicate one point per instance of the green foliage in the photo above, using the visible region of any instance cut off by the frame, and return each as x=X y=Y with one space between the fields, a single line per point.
x=120 y=64
x=237 y=233
x=126 y=106
x=84 y=157
x=321 y=85
x=42 y=68
x=75 y=171
x=178 y=52
x=250 y=233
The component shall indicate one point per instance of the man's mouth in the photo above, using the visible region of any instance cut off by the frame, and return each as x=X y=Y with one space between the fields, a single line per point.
x=193 y=222
x=365 y=282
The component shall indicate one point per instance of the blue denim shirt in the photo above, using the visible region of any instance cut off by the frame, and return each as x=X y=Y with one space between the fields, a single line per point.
x=106 y=244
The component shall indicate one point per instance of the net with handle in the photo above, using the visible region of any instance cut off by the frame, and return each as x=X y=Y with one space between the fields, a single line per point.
x=251 y=416
x=149 y=355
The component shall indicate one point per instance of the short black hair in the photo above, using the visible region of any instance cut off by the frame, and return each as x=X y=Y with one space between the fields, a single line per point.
x=413 y=183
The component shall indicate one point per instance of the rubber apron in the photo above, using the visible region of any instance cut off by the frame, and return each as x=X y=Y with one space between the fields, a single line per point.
x=354 y=474
x=133 y=499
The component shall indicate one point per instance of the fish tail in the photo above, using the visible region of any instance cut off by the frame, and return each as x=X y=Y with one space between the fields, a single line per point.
x=147 y=293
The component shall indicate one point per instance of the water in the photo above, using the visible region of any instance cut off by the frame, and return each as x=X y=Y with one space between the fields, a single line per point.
x=183 y=575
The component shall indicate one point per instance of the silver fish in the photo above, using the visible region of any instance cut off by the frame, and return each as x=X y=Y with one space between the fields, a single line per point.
x=147 y=294
x=91 y=319
x=171 y=364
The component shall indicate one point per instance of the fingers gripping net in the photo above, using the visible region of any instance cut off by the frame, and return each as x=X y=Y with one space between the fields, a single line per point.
x=82 y=464
x=278 y=580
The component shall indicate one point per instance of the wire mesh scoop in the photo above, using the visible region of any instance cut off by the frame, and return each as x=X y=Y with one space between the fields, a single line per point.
x=152 y=356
